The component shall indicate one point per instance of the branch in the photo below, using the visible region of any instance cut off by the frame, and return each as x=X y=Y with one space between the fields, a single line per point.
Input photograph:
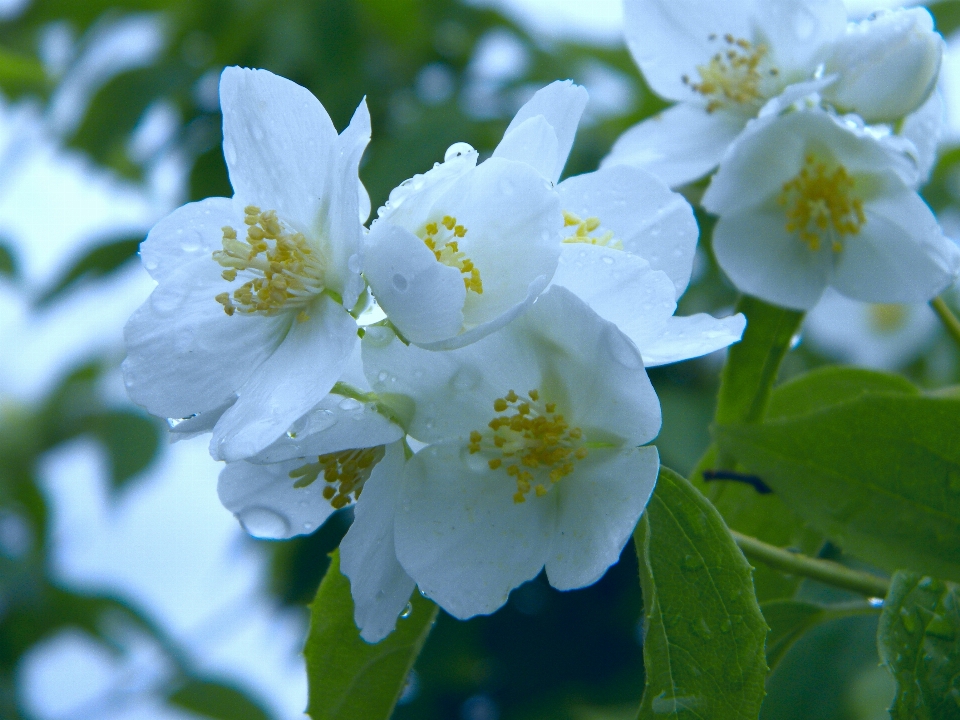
x=949 y=320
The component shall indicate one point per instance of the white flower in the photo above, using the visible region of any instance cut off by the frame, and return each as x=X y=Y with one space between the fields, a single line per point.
x=628 y=242
x=628 y=253
x=248 y=328
x=461 y=250
x=880 y=336
x=723 y=62
x=533 y=456
x=806 y=201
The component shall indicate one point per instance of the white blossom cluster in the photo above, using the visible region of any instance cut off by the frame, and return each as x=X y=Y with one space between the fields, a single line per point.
x=822 y=130
x=468 y=369
x=495 y=319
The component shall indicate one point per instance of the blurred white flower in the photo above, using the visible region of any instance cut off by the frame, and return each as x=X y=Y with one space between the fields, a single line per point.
x=532 y=461
x=461 y=250
x=807 y=201
x=250 y=320
x=879 y=336
x=722 y=63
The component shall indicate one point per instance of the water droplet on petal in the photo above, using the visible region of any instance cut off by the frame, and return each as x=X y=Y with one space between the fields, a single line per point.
x=349 y=403
x=407 y=611
x=466 y=378
x=400 y=283
x=353 y=263
x=382 y=376
x=264 y=523
x=456 y=150
x=608 y=260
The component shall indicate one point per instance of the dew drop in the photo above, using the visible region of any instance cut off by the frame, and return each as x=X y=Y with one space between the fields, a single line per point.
x=350 y=404
x=378 y=336
x=353 y=263
x=400 y=283
x=382 y=376
x=407 y=611
x=475 y=462
x=264 y=523
x=308 y=526
x=691 y=562
x=456 y=150
x=608 y=260
x=725 y=625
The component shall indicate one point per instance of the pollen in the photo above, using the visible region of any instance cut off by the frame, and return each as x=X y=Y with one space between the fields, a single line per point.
x=583 y=230
x=280 y=269
x=734 y=75
x=344 y=474
x=888 y=318
x=821 y=204
x=443 y=240
x=531 y=442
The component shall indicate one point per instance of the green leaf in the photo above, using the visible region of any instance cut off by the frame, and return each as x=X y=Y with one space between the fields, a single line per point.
x=132 y=440
x=216 y=700
x=879 y=475
x=99 y=261
x=8 y=262
x=946 y=15
x=832 y=385
x=703 y=631
x=790 y=619
x=19 y=72
x=351 y=679
x=746 y=382
x=919 y=641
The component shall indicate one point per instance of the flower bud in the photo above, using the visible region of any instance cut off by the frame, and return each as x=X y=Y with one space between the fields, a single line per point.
x=887 y=65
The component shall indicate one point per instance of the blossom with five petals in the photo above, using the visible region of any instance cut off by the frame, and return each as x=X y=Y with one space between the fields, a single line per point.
x=249 y=325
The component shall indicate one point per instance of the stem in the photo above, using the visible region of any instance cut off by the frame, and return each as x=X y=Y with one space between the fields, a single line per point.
x=949 y=320
x=826 y=571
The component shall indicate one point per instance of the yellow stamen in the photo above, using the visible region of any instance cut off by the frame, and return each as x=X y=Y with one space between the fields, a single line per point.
x=531 y=442
x=286 y=273
x=583 y=230
x=734 y=75
x=821 y=204
x=447 y=250
x=347 y=470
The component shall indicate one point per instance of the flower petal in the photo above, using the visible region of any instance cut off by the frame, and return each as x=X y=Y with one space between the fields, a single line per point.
x=379 y=585
x=899 y=256
x=533 y=142
x=336 y=423
x=561 y=104
x=755 y=250
x=691 y=336
x=680 y=145
x=799 y=32
x=267 y=504
x=644 y=215
x=607 y=390
x=341 y=224
x=620 y=288
x=924 y=129
x=279 y=144
x=297 y=376
x=887 y=65
x=599 y=505
x=184 y=354
x=422 y=297
x=460 y=535
x=192 y=231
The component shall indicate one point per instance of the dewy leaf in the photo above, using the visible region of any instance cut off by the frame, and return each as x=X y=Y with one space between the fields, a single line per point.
x=919 y=641
x=790 y=619
x=879 y=474
x=350 y=679
x=703 y=631
x=132 y=440
x=216 y=700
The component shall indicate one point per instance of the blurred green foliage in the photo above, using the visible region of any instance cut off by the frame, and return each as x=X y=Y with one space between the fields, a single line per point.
x=547 y=654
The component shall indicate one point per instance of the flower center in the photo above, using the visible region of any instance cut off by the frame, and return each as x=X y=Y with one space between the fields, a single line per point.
x=345 y=472
x=583 y=230
x=887 y=318
x=733 y=74
x=285 y=272
x=821 y=202
x=441 y=238
x=531 y=441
